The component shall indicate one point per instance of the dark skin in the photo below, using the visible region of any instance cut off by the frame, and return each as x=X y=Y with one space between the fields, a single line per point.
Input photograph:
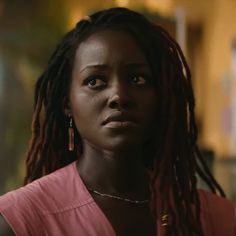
x=113 y=103
x=5 y=229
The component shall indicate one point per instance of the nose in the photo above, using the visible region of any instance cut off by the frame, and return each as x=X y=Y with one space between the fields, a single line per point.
x=120 y=96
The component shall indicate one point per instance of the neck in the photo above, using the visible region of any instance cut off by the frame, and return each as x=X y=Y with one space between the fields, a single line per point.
x=120 y=172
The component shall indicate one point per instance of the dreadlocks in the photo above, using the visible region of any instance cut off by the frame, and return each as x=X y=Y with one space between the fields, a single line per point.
x=173 y=157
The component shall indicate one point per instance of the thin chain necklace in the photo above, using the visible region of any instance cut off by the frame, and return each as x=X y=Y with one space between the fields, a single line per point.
x=118 y=197
x=164 y=217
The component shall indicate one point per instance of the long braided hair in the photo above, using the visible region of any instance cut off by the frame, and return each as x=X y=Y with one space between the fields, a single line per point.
x=173 y=157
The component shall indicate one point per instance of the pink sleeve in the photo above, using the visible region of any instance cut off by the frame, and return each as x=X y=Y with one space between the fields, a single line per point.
x=20 y=214
x=235 y=220
x=221 y=214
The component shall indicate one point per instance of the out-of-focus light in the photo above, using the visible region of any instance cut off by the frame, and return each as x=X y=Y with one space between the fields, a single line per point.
x=1 y=7
x=1 y=78
x=233 y=98
x=75 y=16
x=163 y=6
x=122 y=3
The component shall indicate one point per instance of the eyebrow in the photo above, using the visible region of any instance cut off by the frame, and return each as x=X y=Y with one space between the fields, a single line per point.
x=104 y=66
x=98 y=66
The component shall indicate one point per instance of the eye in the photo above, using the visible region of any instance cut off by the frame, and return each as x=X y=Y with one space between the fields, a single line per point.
x=95 y=82
x=139 y=80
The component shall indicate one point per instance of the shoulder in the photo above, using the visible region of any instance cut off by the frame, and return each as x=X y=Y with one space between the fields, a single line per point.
x=219 y=212
x=220 y=204
x=49 y=193
x=25 y=208
x=5 y=228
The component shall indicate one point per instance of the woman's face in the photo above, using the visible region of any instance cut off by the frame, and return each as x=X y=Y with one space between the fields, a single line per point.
x=112 y=99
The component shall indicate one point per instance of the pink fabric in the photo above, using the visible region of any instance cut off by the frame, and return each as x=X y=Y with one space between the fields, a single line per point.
x=59 y=204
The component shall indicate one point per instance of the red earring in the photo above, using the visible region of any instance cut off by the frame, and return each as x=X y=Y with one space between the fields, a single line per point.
x=71 y=135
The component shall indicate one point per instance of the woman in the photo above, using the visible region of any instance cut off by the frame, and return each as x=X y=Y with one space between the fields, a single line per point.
x=114 y=136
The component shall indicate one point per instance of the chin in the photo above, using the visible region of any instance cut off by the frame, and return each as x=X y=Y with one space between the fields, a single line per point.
x=124 y=144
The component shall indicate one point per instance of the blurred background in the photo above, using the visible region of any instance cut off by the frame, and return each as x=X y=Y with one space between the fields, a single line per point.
x=206 y=31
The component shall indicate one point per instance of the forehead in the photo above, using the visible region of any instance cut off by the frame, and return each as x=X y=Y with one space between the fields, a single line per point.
x=108 y=47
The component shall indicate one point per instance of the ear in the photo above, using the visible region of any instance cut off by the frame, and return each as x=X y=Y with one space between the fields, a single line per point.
x=66 y=107
x=67 y=110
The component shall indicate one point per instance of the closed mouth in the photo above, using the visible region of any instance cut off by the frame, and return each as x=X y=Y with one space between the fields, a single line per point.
x=120 y=124
x=119 y=119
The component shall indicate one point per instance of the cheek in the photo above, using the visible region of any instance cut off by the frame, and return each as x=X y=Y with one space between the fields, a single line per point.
x=85 y=110
x=79 y=108
x=150 y=106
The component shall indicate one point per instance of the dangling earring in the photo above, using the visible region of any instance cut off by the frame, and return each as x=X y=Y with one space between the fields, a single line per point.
x=71 y=135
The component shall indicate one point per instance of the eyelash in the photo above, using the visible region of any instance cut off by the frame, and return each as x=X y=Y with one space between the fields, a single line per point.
x=103 y=82
x=145 y=79
x=91 y=79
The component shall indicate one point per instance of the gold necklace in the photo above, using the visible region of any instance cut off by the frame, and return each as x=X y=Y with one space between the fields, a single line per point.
x=118 y=197
x=164 y=217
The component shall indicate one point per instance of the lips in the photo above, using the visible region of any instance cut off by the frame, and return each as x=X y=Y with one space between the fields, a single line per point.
x=119 y=119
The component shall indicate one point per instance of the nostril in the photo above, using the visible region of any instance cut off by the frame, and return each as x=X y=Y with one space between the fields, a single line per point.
x=114 y=101
x=121 y=103
x=113 y=105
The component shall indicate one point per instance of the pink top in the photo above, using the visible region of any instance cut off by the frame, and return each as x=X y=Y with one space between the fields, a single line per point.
x=59 y=204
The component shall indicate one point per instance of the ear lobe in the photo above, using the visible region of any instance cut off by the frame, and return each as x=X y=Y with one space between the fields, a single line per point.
x=67 y=110
x=65 y=106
